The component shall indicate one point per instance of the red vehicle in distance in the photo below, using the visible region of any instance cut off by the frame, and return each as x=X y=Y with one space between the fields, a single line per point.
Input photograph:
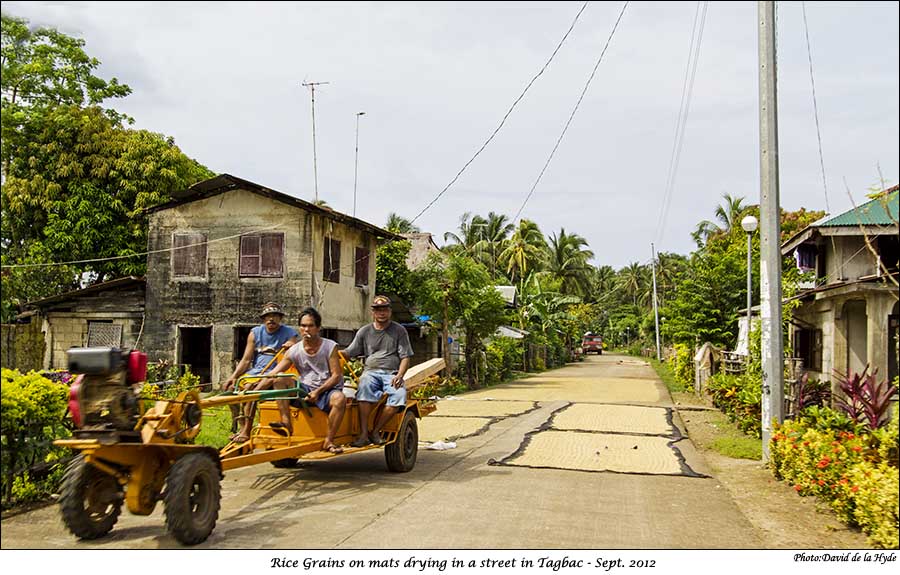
x=592 y=342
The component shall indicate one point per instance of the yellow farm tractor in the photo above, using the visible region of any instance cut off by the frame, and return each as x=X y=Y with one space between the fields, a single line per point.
x=142 y=456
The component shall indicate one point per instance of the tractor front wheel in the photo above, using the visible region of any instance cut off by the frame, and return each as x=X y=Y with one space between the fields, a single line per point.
x=192 y=498
x=401 y=454
x=90 y=500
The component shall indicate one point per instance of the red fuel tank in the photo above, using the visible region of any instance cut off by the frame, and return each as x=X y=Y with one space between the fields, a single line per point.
x=137 y=367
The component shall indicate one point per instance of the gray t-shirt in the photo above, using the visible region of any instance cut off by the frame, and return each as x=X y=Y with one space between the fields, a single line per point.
x=383 y=349
x=314 y=369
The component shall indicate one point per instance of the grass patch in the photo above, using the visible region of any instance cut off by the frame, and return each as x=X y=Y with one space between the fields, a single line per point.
x=665 y=373
x=738 y=447
x=216 y=427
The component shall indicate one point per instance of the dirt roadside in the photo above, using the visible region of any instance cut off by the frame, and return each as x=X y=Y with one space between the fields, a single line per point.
x=783 y=519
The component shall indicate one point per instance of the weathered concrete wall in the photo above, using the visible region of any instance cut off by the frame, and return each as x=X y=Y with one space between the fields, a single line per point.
x=222 y=300
x=342 y=305
x=22 y=346
x=65 y=330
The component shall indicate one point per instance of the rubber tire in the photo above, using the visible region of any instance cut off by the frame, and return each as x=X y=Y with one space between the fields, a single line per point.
x=82 y=481
x=192 y=499
x=400 y=455
x=287 y=463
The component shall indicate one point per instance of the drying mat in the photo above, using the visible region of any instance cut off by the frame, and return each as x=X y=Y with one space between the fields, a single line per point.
x=581 y=451
x=615 y=419
x=481 y=408
x=433 y=429
x=575 y=389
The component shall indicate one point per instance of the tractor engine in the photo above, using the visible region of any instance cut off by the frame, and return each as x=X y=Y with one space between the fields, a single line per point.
x=102 y=396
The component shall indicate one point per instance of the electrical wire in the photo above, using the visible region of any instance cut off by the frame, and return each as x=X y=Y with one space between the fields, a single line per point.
x=503 y=121
x=812 y=81
x=572 y=115
x=687 y=88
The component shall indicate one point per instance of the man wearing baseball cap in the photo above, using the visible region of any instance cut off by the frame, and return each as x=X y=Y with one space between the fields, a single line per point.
x=263 y=344
x=385 y=345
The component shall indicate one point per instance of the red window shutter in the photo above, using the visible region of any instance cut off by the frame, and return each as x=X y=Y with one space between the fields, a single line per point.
x=362 y=266
x=189 y=261
x=250 y=258
x=271 y=252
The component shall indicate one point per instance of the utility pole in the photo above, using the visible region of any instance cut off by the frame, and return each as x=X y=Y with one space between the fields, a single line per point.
x=356 y=161
x=655 y=306
x=312 y=91
x=770 y=230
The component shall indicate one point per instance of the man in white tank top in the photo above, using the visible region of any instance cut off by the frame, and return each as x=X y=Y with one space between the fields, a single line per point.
x=319 y=366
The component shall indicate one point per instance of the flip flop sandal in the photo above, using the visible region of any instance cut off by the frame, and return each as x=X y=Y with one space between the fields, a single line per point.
x=333 y=449
x=239 y=438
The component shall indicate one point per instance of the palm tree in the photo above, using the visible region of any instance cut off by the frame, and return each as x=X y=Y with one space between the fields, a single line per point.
x=494 y=234
x=568 y=262
x=400 y=225
x=632 y=281
x=470 y=230
x=524 y=252
x=728 y=214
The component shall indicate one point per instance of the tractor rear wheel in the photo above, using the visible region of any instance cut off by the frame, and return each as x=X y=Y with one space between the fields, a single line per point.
x=90 y=500
x=401 y=454
x=192 y=498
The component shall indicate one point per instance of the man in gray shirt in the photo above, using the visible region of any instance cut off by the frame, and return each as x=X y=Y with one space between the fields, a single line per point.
x=385 y=345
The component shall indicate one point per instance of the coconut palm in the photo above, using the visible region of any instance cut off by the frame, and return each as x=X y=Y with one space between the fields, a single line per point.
x=524 y=252
x=400 y=225
x=632 y=280
x=470 y=232
x=568 y=263
x=494 y=234
x=728 y=215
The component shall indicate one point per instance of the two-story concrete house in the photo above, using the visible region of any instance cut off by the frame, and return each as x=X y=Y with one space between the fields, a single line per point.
x=225 y=246
x=848 y=316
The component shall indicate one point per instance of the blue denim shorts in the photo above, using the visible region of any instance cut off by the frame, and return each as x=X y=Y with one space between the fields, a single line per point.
x=324 y=401
x=374 y=384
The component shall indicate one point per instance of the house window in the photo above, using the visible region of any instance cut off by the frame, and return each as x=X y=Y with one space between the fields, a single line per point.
x=331 y=263
x=362 y=266
x=262 y=255
x=104 y=333
x=808 y=347
x=189 y=255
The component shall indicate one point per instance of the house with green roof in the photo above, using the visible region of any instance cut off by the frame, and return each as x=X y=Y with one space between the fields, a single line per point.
x=848 y=316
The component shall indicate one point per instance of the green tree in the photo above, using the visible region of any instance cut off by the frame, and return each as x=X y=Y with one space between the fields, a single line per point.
x=392 y=276
x=464 y=287
x=470 y=233
x=494 y=234
x=76 y=182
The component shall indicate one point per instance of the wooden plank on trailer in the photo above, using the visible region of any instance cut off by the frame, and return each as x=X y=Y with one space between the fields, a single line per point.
x=416 y=375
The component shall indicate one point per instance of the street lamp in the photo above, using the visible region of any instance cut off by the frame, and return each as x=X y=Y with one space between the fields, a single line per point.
x=749 y=223
x=356 y=161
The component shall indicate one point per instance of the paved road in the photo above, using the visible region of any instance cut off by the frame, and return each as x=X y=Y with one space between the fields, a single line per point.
x=587 y=456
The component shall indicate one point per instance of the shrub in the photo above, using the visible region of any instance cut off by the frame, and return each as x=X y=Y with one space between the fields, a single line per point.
x=739 y=397
x=825 y=453
x=866 y=399
x=683 y=364
x=504 y=355
x=32 y=417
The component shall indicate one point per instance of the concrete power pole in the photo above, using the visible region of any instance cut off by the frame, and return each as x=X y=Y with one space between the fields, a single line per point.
x=770 y=230
x=655 y=306
x=312 y=91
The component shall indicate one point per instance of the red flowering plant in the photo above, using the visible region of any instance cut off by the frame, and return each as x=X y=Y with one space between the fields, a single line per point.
x=865 y=399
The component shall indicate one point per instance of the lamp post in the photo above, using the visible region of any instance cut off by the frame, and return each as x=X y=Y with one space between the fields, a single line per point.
x=749 y=223
x=356 y=161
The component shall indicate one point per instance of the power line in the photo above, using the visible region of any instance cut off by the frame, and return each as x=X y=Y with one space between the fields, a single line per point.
x=687 y=88
x=141 y=254
x=503 y=121
x=812 y=81
x=572 y=115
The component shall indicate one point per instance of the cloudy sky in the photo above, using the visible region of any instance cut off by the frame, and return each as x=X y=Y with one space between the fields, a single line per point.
x=435 y=79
